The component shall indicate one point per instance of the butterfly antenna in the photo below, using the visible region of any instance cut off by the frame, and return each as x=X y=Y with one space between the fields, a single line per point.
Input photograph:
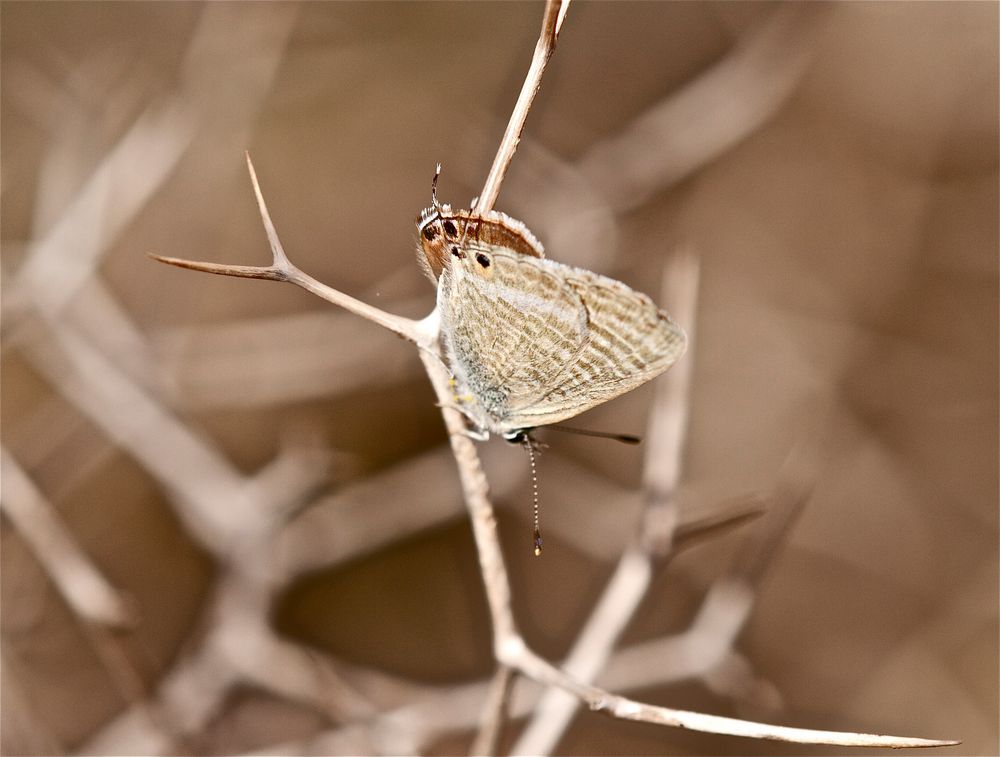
x=534 y=489
x=623 y=438
x=434 y=188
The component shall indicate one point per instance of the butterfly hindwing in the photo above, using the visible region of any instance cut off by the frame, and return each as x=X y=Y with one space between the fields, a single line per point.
x=629 y=341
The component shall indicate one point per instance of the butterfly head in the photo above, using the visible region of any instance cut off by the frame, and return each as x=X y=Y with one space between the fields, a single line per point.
x=462 y=239
x=442 y=237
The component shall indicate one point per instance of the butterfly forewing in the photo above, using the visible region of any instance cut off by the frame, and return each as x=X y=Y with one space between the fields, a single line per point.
x=439 y=229
x=499 y=231
x=514 y=327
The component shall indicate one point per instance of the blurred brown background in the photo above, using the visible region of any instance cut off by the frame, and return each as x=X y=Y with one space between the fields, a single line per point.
x=258 y=530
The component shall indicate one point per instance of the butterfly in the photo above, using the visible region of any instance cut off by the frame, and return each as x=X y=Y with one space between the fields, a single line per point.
x=531 y=341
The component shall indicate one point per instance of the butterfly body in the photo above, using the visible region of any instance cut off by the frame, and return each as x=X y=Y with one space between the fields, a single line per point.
x=531 y=341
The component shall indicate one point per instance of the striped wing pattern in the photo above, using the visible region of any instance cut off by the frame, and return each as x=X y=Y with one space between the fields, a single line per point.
x=629 y=342
x=509 y=333
x=536 y=341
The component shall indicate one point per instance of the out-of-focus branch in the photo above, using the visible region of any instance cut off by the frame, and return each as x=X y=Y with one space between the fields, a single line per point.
x=796 y=480
x=74 y=575
x=115 y=192
x=419 y=494
x=279 y=359
x=98 y=606
x=494 y=711
x=25 y=730
x=83 y=324
x=576 y=203
x=710 y=115
x=671 y=408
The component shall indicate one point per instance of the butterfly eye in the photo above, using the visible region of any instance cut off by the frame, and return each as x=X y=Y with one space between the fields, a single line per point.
x=450 y=228
x=430 y=233
x=483 y=260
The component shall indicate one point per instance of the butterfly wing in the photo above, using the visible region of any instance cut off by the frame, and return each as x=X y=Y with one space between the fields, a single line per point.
x=628 y=342
x=512 y=328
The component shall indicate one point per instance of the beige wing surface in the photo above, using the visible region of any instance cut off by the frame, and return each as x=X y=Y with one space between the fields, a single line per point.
x=629 y=341
x=514 y=326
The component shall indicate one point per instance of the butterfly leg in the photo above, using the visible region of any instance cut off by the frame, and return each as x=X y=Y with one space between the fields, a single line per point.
x=477 y=434
x=434 y=354
x=523 y=437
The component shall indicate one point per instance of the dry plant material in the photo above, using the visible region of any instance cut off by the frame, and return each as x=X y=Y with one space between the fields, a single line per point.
x=510 y=650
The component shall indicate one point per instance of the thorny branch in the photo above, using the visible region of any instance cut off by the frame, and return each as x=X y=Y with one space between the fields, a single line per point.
x=281 y=269
x=509 y=648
